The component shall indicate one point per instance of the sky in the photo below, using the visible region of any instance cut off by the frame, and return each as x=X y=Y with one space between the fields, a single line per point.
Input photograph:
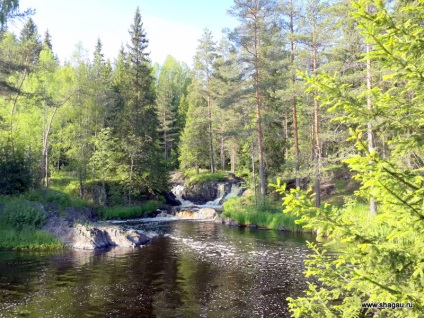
x=173 y=27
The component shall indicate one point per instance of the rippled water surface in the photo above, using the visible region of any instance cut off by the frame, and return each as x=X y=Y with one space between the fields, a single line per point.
x=196 y=269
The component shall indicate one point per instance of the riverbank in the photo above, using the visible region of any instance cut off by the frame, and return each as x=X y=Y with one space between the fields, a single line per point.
x=46 y=219
x=266 y=214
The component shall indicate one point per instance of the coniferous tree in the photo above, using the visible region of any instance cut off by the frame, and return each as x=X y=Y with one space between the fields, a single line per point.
x=171 y=86
x=202 y=82
x=139 y=123
x=9 y=10
x=48 y=40
x=381 y=256
x=258 y=25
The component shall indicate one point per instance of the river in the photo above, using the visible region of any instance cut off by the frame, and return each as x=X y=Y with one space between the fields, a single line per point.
x=195 y=269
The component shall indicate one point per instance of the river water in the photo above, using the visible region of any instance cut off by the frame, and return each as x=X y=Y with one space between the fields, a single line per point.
x=195 y=269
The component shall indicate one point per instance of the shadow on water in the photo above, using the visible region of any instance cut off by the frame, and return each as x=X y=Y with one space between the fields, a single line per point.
x=195 y=269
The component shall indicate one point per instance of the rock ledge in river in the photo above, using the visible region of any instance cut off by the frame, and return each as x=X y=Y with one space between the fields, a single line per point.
x=202 y=214
x=94 y=236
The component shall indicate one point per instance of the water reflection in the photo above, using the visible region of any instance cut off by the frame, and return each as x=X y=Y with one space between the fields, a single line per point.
x=197 y=269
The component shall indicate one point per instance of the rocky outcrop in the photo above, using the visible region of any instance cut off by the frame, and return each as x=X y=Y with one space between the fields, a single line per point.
x=171 y=199
x=206 y=213
x=203 y=192
x=226 y=220
x=94 y=236
x=202 y=214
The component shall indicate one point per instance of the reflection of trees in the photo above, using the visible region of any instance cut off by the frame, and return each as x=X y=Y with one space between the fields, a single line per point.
x=164 y=279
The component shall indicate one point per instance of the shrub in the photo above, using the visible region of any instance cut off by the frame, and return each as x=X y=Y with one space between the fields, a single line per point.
x=19 y=214
x=61 y=200
x=15 y=172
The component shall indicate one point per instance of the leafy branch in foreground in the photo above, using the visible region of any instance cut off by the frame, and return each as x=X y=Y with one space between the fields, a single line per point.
x=374 y=258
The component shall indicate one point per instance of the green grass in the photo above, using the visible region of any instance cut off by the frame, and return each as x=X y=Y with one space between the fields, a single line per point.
x=131 y=212
x=266 y=214
x=20 y=225
x=357 y=214
x=206 y=177
x=60 y=199
x=27 y=238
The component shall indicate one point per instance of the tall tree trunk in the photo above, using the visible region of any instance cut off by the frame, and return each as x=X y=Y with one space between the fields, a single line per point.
x=165 y=137
x=316 y=131
x=15 y=102
x=45 y=151
x=233 y=158
x=370 y=135
x=259 y=119
x=222 y=153
x=254 y=175
x=286 y=137
x=210 y=136
x=197 y=165
x=131 y=176
x=294 y=99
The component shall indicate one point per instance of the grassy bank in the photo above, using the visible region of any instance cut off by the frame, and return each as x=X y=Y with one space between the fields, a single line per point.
x=20 y=225
x=205 y=177
x=129 y=212
x=27 y=239
x=266 y=214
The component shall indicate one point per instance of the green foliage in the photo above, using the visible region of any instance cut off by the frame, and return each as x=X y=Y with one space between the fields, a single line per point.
x=267 y=214
x=171 y=88
x=26 y=239
x=206 y=177
x=19 y=214
x=20 y=223
x=129 y=212
x=15 y=174
x=381 y=259
x=60 y=199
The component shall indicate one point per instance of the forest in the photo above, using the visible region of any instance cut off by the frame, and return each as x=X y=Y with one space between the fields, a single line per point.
x=298 y=92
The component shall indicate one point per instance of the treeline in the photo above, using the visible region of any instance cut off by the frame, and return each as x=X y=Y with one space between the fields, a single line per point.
x=98 y=121
x=244 y=107
x=249 y=106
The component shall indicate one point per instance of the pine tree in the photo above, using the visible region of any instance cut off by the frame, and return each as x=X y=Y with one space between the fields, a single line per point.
x=227 y=89
x=171 y=86
x=258 y=25
x=317 y=35
x=202 y=75
x=9 y=10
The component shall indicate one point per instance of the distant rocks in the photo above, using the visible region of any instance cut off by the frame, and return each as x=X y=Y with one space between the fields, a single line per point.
x=202 y=214
x=206 y=213
x=95 y=236
x=226 y=220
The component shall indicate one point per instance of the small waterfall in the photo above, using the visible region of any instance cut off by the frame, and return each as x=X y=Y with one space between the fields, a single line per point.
x=236 y=190
x=219 y=197
x=178 y=191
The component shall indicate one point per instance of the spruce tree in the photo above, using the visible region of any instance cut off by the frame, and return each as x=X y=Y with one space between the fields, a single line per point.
x=138 y=128
x=379 y=258
x=48 y=40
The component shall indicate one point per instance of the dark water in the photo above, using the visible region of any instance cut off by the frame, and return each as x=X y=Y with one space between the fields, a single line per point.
x=197 y=269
